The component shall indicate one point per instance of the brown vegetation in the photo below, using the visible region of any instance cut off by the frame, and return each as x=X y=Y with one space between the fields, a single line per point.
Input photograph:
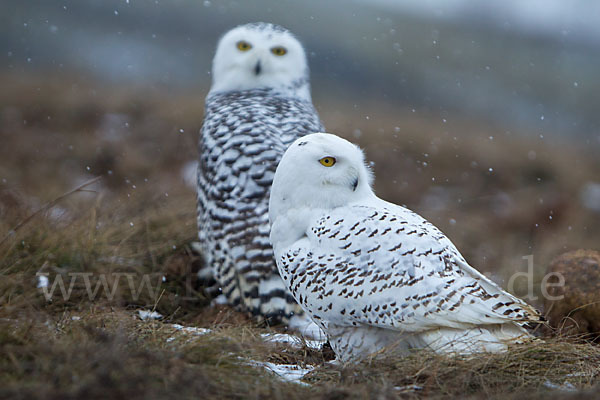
x=139 y=219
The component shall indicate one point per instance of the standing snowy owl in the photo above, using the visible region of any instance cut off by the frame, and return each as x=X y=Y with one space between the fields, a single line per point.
x=375 y=275
x=258 y=104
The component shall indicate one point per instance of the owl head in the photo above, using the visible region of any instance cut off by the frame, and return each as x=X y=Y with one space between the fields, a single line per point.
x=260 y=55
x=319 y=171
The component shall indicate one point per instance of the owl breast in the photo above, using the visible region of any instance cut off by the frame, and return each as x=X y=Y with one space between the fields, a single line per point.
x=244 y=136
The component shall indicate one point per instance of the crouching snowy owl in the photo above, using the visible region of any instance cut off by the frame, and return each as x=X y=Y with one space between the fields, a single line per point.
x=258 y=104
x=374 y=275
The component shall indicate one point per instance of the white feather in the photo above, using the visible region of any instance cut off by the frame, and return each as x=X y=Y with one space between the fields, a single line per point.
x=373 y=274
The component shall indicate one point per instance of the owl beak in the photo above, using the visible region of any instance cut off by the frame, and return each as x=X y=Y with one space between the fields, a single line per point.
x=257 y=68
x=354 y=184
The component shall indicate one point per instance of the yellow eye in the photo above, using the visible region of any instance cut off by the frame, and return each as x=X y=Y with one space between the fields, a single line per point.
x=279 y=51
x=327 y=161
x=243 y=45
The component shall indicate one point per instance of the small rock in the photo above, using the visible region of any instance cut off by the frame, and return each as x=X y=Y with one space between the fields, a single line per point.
x=573 y=308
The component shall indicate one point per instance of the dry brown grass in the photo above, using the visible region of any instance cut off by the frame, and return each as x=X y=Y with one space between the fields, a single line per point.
x=112 y=354
x=51 y=133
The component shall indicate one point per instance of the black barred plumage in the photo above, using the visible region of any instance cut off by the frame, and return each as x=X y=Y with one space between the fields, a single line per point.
x=244 y=135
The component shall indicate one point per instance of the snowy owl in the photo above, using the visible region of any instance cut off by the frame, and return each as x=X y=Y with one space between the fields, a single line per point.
x=258 y=104
x=373 y=275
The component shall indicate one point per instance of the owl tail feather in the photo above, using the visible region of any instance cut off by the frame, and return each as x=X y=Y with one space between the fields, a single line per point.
x=483 y=339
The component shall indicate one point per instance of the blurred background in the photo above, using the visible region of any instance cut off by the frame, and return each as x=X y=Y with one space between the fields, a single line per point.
x=483 y=117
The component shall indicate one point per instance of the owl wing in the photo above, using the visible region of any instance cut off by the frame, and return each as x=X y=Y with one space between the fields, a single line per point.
x=388 y=267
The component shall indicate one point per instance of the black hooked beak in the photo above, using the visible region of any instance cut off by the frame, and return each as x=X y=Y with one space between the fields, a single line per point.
x=354 y=184
x=257 y=68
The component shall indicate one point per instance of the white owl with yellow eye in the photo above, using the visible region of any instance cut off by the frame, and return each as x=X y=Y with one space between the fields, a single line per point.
x=373 y=275
x=258 y=104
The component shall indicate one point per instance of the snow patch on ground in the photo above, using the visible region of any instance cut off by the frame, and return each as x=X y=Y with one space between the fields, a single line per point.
x=144 y=315
x=565 y=387
x=408 y=388
x=286 y=372
x=190 y=329
x=185 y=330
x=42 y=281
